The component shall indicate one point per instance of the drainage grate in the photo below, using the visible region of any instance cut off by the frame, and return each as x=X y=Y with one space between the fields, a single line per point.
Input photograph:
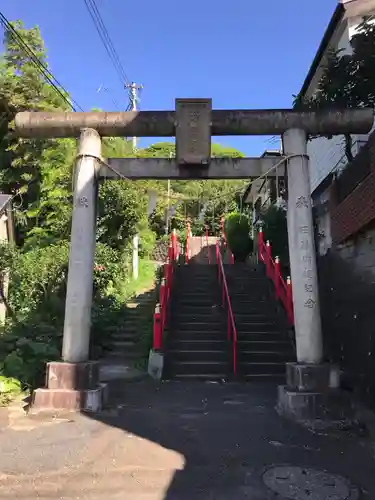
x=298 y=483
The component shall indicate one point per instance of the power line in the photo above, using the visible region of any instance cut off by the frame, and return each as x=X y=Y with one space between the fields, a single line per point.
x=56 y=85
x=107 y=41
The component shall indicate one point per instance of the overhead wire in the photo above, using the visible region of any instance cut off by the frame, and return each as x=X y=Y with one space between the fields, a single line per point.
x=103 y=33
x=51 y=79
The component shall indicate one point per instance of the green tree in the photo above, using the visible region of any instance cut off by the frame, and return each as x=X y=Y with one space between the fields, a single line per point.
x=348 y=80
x=26 y=163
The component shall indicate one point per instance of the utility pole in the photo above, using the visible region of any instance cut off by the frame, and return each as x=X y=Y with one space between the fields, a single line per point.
x=133 y=103
x=133 y=106
x=169 y=195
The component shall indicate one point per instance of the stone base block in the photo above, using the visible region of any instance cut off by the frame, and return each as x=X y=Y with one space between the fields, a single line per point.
x=312 y=378
x=78 y=376
x=70 y=387
x=156 y=364
x=60 y=400
x=333 y=405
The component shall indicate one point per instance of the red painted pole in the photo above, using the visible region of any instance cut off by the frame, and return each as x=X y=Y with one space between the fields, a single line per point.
x=276 y=278
x=289 y=300
x=260 y=244
x=163 y=297
x=174 y=244
x=188 y=232
x=268 y=260
x=157 y=331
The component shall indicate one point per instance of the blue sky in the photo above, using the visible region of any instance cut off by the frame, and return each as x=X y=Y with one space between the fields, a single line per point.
x=242 y=53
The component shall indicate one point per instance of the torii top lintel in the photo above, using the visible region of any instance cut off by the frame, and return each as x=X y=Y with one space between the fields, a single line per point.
x=223 y=122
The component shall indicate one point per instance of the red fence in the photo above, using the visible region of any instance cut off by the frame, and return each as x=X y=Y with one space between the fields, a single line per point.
x=225 y=300
x=161 y=308
x=283 y=289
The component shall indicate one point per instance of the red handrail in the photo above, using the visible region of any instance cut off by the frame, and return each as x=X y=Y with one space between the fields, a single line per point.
x=225 y=299
x=161 y=308
x=283 y=290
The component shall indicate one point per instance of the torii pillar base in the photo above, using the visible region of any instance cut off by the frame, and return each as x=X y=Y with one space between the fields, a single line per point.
x=312 y=396
x=70 y=387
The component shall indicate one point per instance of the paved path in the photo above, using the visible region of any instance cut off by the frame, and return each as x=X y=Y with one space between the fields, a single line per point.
x=174 y=441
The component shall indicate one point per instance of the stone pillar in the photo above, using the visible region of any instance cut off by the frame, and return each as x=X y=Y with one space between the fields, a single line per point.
x=302 y=251
x=308 y=393
x=77 y=322
x=73 y=383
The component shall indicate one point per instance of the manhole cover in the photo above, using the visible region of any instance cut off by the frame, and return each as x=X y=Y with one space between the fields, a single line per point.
x=297 y=483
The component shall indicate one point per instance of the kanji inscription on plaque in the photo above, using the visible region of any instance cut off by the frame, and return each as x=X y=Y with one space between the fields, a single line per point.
x=193 y=131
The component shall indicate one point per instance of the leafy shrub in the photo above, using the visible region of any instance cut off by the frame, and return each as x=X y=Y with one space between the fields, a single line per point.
x=276 y=231
x=237 y=229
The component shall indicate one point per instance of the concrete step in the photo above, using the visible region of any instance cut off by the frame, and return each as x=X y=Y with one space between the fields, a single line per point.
x=210 y=314
x=261 y=336
x=264 y=356
x=193 y=356
x=256 y=326
x=197 y=368
x=198 y=376
x=214 y=324
x=280 y=346
x=198 y=345
x=124 y=355
x=276 y=378
x=259 y=368
x=195 y=334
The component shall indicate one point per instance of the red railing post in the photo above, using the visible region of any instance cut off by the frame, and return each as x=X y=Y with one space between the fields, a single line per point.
x=268 y=260
x=276 y=278
x=157 y=329
x=289 y=301
x=222 y=231
x=260 y=243
x=174 y=244
x=188 y=234
x=163 y=298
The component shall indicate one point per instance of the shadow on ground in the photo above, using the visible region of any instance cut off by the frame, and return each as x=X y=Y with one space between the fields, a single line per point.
x=202 y=440
x=226 y=436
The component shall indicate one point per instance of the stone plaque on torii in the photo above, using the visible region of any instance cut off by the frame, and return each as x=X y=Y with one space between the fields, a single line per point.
x=73 y=382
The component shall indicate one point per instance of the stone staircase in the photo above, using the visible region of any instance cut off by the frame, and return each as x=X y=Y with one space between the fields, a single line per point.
x=128 y=345
x=264 y=341
x=197 y=347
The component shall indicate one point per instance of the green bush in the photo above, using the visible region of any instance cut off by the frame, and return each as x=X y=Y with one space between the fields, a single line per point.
x=237 y=230
x=276 y=232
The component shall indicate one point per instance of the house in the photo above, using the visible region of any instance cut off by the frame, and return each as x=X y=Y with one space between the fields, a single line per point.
x=344 y=205
x=327 y=156
x=260 y=193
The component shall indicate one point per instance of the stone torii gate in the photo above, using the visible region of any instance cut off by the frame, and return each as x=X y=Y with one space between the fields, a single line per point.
x=73 y=383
